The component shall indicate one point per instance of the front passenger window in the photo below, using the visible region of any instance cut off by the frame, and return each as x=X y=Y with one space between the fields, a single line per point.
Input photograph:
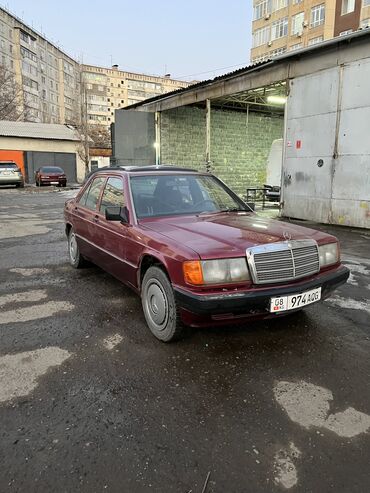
x=113 y=194
x=94 y=193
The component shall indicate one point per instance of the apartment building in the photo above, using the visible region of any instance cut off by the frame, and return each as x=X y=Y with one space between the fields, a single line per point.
x=108 y=89
x=50 y=80
x=48 y=77
x=285 y=25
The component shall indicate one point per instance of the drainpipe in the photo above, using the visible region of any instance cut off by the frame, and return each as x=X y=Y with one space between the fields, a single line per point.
x=157 y=143
x=208 y=135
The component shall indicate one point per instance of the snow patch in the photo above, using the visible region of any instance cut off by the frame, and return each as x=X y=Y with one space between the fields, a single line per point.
x=35 y=312
x=285 y=472
x=30 y=272
x=26 y=296
x=112 y=341
x=19 y=373
x=349 y=303
x=309 y=405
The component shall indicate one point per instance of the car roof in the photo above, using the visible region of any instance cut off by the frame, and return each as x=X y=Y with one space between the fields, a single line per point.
x=143 y=169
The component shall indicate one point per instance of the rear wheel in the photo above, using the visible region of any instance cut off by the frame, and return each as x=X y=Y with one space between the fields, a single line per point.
x=159 y=305
x=75 y=258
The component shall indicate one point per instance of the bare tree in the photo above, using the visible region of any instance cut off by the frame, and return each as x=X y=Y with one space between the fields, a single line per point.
x=100 y=136
x=90 y=135
x=12 y=107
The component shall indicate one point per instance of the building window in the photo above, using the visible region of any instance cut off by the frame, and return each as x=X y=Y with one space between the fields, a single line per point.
x=261 y=9
x=348 y=6
x=344 y=33
x=279 y=4
x=278 y=51
x=296 y=2
x=318 y=15
x=261 y=36
x=295 y=47
x=366 y=3
x=28 y=54
x=297 y=23
x=315 y=41
x=279 y=28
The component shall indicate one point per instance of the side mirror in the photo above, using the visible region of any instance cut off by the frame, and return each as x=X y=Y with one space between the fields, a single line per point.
x=117 y=214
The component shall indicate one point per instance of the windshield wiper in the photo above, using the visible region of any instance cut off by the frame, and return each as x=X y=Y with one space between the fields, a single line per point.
x=233 y=209
x=222 y=211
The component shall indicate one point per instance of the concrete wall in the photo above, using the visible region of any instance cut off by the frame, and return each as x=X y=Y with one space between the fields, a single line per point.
x=41 y=145
x=133 y=138
x=240 y=143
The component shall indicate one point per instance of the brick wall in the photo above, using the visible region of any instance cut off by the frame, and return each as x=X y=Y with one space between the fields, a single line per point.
x=240 y=143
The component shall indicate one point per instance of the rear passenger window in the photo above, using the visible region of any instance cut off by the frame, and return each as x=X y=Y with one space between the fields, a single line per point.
x=90 y=197
x=113 y=194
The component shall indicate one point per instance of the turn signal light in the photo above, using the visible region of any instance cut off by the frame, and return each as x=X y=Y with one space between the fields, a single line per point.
x=193 y=272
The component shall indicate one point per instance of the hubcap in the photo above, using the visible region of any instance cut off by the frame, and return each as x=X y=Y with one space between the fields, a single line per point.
x=73 y=248
x=156 y=305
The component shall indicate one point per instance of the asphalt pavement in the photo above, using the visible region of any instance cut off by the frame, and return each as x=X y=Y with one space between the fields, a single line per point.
x=91 y=402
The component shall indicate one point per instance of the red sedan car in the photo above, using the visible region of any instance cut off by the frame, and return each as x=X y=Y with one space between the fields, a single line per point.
x=50 y=175
x=194 y=251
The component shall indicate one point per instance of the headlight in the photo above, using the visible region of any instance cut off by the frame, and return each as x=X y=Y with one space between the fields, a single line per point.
x=329 y=254
x=216 y=271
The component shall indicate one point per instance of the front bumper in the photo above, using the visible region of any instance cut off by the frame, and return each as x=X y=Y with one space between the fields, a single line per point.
x=256 y=302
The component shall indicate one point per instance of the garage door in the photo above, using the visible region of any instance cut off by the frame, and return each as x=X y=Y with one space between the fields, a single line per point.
x=65 y=160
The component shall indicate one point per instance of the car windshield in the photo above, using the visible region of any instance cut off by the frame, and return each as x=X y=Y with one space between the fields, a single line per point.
x=52 y=169
x=8 y=166
x=167 y=195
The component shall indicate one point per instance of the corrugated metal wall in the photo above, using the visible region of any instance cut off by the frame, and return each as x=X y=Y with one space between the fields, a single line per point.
x=326 y=173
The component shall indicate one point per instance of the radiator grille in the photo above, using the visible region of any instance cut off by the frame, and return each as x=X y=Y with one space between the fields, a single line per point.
x=285 y=261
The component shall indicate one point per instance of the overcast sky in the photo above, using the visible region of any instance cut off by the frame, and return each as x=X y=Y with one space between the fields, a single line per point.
x=192 y=39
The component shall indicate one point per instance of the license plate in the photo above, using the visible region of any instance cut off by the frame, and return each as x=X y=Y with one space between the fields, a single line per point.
x=284 y=303
x=54 y=182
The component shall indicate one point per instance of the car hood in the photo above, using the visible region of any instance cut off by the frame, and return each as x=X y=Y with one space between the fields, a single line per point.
x=229 y=234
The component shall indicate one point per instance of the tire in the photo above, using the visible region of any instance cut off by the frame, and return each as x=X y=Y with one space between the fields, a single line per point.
x=159 y=306
x=75 y=258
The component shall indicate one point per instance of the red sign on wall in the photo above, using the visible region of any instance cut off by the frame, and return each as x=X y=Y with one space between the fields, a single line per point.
x=298 y=144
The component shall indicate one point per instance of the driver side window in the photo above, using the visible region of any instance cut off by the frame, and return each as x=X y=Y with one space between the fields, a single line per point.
x=91 y=195
x=113 y=195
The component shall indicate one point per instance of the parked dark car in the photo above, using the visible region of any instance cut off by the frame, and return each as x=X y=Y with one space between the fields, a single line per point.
x=194 y=251
x=50 y=175
x=10 y=174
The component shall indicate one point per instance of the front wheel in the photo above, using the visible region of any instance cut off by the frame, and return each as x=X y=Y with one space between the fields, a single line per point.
x=159 y=305
x=75 y=258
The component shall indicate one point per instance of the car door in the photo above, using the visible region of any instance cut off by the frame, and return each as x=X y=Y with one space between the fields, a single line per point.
x=113 y=234
x=85 y=218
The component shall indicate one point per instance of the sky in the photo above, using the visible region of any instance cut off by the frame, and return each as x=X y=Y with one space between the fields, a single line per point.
x=191 y=40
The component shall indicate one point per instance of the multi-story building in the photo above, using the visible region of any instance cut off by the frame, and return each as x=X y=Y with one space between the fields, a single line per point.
x=108 y=89
x=49 y=79
x=285 y=25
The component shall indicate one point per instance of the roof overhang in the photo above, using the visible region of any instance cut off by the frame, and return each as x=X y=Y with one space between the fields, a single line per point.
x=244 y=83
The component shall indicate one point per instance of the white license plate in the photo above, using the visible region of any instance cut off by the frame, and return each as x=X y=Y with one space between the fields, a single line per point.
x=284 y=303
x=54 y=182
